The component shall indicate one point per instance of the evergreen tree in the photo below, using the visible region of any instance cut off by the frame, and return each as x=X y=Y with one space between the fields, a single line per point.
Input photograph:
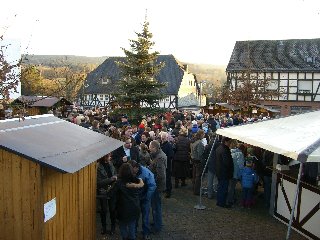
x=138 y=84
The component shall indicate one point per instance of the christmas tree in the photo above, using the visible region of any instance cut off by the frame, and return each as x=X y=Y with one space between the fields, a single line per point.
x=138 y=90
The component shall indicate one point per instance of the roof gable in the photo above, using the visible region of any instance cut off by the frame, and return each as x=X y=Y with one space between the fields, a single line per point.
x=55 y=143
x=276 y=55
x=172 y=74
x=40 y=101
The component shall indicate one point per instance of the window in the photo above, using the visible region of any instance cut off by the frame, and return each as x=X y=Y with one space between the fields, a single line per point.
x=101 y=97
x=298 y=109
x=272 y=85
x=105 y=80
x=106 y=97
x=305 y=86
x=309 y=59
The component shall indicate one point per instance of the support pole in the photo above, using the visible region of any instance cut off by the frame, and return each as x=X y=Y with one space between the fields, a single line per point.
x=199 y=206
x=273 y=184
x=294 y=203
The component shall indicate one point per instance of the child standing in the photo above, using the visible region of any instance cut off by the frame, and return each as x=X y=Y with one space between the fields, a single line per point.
x=248 y=178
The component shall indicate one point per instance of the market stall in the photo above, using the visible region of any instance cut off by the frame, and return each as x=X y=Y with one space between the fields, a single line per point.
x=48 y=178
x=296 y=137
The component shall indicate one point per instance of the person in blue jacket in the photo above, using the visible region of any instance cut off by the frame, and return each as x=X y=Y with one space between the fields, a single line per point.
x=248 y=178
x=146 y=194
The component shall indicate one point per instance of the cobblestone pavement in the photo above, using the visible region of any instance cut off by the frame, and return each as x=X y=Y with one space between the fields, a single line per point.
x=183 y=222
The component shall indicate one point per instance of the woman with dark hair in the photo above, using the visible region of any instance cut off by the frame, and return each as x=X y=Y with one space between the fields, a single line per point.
x=145 y=138
x=106 y=176
x=126 y=192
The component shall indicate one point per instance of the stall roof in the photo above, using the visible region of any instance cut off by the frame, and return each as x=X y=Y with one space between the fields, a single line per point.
x=297 y=137
x=49 y=102
x=54 y=142
x=41 y=101
x=228 y=106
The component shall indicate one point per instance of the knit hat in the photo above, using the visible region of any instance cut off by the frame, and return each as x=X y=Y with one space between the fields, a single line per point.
x=249 y=161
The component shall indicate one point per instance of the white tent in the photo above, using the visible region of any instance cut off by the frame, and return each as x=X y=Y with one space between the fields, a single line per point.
x=297 y=137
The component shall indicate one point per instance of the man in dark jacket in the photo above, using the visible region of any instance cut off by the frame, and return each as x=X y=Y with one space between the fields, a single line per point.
x=223 y=165
x=125 y=153
x=212 y=123
x=168 y=150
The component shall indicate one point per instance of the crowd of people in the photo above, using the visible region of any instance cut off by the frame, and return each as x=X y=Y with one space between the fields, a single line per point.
x=132 y=180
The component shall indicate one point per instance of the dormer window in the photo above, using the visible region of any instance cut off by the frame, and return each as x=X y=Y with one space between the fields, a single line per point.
x=310 y=59
x=105 y=80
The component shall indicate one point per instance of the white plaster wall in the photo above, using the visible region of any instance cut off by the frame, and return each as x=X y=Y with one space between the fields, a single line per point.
x=185 y=88
x=283 y=75
x=292 y=75
x=316 y=76
x=308 y=75
x=301 y=76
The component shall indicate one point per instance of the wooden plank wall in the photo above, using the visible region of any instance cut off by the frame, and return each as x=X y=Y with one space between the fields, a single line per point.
x=20 y=195
x=76 y=204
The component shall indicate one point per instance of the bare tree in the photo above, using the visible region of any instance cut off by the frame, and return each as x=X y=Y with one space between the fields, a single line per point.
x=9 y=73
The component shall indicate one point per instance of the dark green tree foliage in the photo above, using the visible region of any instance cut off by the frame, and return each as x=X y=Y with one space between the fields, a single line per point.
x=138 y=84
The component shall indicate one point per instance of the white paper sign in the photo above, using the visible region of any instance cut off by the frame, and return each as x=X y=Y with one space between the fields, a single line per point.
x=49 y=209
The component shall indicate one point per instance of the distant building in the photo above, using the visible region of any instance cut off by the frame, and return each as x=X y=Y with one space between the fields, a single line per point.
x=182 y=88
x=292 y=66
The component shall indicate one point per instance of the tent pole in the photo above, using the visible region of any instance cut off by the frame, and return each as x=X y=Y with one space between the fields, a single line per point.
x=294 y=203
x=200 y=206
x=273 y=184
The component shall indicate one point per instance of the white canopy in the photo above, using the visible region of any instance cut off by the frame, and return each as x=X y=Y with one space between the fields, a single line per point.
x=297 y=137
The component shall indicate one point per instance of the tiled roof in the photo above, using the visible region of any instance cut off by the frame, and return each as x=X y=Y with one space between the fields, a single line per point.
x=276 y=55
x=172 y=74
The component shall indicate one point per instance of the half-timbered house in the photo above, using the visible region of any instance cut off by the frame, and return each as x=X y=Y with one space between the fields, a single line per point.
x=291 y=66
x=182 y=87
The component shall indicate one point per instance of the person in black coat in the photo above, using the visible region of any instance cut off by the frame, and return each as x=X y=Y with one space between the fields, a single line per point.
x=167 y=148
x=181 y=159
x=212 y=179
x=212 y=123
x=106 y=176
x=223 y=166
x=126 y=192
x=125 y=153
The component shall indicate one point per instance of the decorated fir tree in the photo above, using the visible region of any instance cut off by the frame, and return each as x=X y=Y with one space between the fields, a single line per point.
x=138 y=90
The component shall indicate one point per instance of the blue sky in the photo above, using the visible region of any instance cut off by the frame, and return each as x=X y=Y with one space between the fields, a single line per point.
x=202 y=31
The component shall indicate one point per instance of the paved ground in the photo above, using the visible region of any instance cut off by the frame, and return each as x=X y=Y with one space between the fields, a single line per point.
x=183 y=222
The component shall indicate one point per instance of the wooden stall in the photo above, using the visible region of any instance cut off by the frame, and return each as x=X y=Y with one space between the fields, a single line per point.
x=252 y=110
x=221 y=108
x=36 y=105
x=48 y=178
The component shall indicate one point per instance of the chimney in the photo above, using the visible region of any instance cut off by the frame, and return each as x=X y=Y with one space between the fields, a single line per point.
x=185 y=67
